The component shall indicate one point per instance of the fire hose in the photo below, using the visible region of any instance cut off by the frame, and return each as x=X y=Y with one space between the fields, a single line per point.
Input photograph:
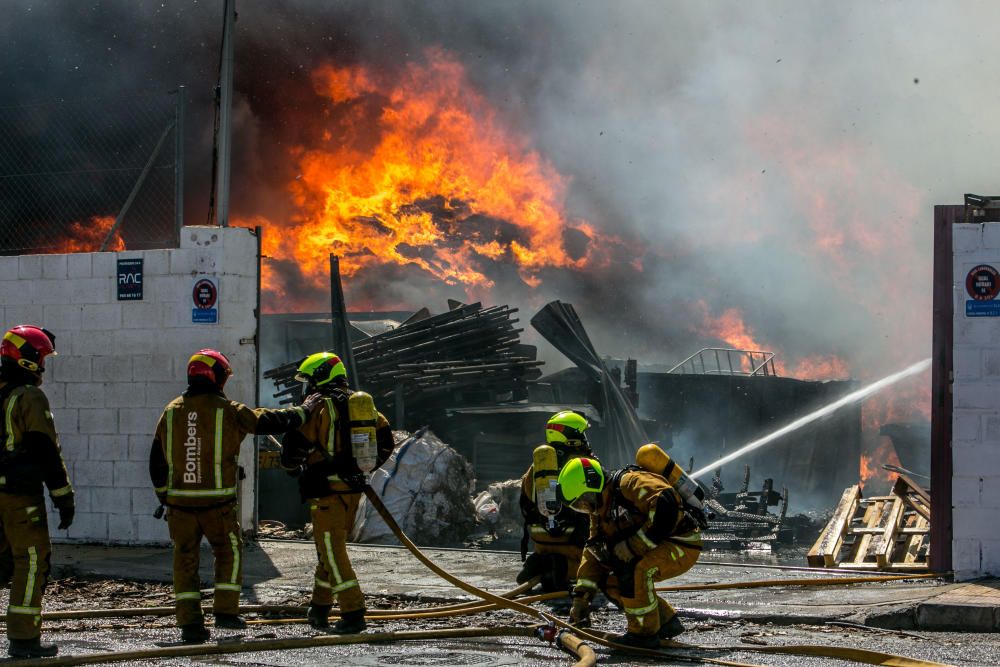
x=564 y=638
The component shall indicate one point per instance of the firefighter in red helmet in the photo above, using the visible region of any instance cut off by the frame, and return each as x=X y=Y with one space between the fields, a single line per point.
x=29 y=458
x=194 y=467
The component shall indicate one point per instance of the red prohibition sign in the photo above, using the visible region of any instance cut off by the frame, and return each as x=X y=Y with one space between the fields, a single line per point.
x=205 y=294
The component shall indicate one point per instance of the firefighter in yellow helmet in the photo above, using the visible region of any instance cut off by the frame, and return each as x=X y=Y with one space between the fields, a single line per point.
x=29 y=458
x=194 y=467
x=344 y=439
x=558 y=532
x=641 y=532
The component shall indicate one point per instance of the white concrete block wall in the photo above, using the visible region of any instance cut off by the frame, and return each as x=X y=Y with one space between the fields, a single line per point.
x=120 y=362
x=976 y=418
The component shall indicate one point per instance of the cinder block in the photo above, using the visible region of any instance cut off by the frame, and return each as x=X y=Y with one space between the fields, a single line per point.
x=54 y=267
x=74 y=446
x=108 y=448
x=966 y=491
x=89 y=526
x=89 y=474
x=56 y=292
x=972 y=522
x=23 y=313
x=990 y=435
x=144 y=501
x=991 y=559
x=131 y=474
x=158 y=394
x=134 y=341
x=81 y=498
x=105 y=264
x=121 y=529
x=55 y=391
x=102 y=317
x=967 y=238
x=152 y=531
x=65 y=420
x=62 y=318
x=80 y=265
x=92 y=343
x=15 y=293
x=967 y=558
x=8 y=268
x=84 y=395
x=977 y=396
x=156 y=262
x=71 y=368
x=968 y=362
x=29 y=267
x=98 y=421
x=139 y=446
x=112 y=369
x=201 y=236
x=138 y=421
x=142 y=315
x=125 y=394
x=112 y=500
x=93 y=291
x=966 y=426
x=154 y=367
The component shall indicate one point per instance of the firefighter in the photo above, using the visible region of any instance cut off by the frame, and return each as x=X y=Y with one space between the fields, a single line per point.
x=641 y=532
x=344 y=439
x=558 y=532
x=30 y=458
x=194 y=467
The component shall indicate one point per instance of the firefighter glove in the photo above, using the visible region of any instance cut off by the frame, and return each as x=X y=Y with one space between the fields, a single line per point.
x=579 y=613
x=623 y=552
x=310 y=402
x=67 y=510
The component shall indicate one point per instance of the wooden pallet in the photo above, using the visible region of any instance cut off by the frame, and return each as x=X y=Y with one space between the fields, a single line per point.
x=884 y=532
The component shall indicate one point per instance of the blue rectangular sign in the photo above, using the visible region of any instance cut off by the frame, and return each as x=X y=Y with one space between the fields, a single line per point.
x=982 y=308
x=205 y=315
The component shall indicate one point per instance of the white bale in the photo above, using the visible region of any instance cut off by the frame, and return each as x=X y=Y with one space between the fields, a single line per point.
x=427 y=487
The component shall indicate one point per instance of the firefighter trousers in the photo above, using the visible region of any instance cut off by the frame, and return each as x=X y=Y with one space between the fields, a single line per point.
x=24 y=561
x=644 y=610
x=565 y=563
x=333 y=519
x=221 y=527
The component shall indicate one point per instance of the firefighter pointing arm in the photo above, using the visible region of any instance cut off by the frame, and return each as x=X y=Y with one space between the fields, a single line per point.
x=194 y=467
x=640 y=533
x=29 y=458
x=344 y=439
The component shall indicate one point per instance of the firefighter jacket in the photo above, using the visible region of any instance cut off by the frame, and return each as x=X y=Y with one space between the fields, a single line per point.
x=30 y=456
x=569 y=527
x=639 y=511
x=194 y=458
x=322 y=446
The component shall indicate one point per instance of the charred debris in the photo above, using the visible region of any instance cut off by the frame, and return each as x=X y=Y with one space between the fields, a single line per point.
x=466 y=374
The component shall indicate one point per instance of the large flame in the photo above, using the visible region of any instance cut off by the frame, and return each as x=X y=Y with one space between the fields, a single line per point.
x=417 y=169
x=87 y=237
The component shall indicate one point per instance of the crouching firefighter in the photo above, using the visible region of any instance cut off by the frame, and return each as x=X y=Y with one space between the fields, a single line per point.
x=194 y=467
x=344 y=439
x=29 y=458
x=641 y=532
x=558 y=532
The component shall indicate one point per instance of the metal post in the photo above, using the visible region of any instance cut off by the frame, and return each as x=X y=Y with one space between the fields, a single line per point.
x=225 y=113
x=179 y=166
x=258 y=232
x=340 y=327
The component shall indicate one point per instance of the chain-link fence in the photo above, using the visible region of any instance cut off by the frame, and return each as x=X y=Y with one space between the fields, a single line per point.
x=86 y=175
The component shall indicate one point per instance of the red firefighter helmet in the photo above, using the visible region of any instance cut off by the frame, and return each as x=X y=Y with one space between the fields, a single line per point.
x=27 y=346
x=211 y=365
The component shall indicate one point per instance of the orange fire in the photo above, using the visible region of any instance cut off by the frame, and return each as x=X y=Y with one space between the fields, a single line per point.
x=731 y=328
x=871 y=464
x=433 y=179
x=88 y=237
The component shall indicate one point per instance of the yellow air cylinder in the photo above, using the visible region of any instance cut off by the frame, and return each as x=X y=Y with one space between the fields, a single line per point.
x=546 y=471
x=363 y=418
x=650 y=457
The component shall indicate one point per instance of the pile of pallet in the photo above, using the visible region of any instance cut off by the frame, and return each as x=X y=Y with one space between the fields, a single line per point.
x=468 y=355
x=742 y=519
x=884 y=532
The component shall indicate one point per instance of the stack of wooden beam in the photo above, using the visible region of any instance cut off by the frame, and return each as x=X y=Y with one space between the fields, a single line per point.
x=469 y=355
x=884 y=532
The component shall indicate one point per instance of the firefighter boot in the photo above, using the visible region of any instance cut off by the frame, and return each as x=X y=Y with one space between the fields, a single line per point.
x=671 y=628
x=350 y=623
x=31 y=648
x=230 y=622
x=194 y=633
x=638 y=640
x=319 y=616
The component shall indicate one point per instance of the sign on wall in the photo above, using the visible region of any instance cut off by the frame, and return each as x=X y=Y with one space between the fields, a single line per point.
x=206 y=299
x=130 y=279
x=982 y=284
